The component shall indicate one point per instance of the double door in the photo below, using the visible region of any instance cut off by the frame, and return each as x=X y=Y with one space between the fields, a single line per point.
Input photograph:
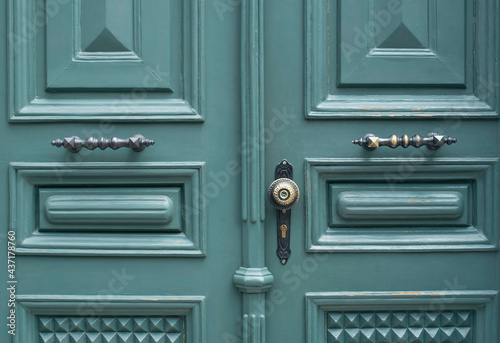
x=392 y=239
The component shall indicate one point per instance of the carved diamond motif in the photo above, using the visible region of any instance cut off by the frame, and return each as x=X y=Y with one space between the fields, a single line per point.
x=399 y=326
x=111 y=329
x=403 y=38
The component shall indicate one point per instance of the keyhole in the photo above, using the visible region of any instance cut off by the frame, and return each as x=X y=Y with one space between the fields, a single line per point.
x=283 y=229
x=284 y=194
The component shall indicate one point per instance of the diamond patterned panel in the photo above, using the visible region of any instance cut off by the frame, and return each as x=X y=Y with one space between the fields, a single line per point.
x=399 y=327
x=111 y=329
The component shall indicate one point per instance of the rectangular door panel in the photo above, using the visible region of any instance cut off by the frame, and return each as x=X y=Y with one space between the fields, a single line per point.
x=140 y=60
x=112 y=319
x=129 y=209
x=458 y=317
x=401 y=204
x=399 y=59
x=153 y=209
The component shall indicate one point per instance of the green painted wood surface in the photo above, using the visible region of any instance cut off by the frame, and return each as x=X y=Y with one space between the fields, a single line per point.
x=227 y=89
x=183 y=268
x=315 y=108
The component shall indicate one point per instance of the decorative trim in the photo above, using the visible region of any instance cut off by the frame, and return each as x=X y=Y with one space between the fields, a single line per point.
x=26 y=103
x=484 y=303
x=370 y=206
x=476 y=232
x=254 y=328
x=115 y=209
x=321 y=104
x=70 y=67
x=253 y=280
x=32 y=306
x=252 y=80
x=26 y=178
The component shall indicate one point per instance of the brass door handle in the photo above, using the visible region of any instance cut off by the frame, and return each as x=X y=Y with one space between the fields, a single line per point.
x=75 y=144
x=433 y=141
x=283 y=194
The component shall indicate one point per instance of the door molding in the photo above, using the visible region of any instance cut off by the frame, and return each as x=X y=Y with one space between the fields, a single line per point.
x=327 y=98
x=481 y=304
x=253 y=278
x=123 y=315
x=31 y=98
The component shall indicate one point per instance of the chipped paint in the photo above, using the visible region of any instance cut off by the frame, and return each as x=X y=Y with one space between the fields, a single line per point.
x=407 y=293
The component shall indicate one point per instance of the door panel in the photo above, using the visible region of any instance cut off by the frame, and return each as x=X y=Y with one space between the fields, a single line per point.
x=142 y=60
x=405 y=212
x=461 y=317
x=399 y=59
x=119 y=245
x=49 y=217
x=390 y=245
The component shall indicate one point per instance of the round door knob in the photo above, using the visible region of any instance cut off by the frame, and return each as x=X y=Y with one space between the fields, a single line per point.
x=283 y=194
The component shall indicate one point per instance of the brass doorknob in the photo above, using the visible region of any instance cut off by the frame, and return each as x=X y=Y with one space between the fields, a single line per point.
x=283 y=194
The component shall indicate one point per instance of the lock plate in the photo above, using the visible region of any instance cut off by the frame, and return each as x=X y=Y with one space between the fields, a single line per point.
x=283 y=195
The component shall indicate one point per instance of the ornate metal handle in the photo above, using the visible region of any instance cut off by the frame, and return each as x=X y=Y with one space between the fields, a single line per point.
x=433 y=141
x=283 y=194
x=75 y=144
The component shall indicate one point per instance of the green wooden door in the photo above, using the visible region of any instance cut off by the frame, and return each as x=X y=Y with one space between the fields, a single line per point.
x=389 y=245
x=118 y=245
x=177 y=243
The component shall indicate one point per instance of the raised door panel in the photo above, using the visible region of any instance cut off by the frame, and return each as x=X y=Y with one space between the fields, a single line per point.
x=361 y=205
x=112 y=46
x=408 y=44
x=106 y=60
x=114 y=209
x=400 y=59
